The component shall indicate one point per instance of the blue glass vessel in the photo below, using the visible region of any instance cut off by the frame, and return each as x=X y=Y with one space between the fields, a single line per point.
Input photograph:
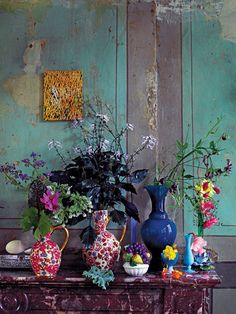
x=170 y=263
x=188 y=254
x=158 y=230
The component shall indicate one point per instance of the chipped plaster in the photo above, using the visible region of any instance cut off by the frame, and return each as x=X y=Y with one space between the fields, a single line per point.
x=151 y=90
x=13 y=5
x=25 y=89
x=228 y=21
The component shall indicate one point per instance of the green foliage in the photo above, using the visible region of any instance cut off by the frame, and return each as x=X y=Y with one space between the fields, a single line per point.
x=194 y=163
x=78 y=205
x=99 y=277
x=37 y=220
x=29 y=218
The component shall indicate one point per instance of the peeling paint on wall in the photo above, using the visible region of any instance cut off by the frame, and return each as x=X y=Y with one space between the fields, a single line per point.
x=32 y=56
x=175 y=10
x=151 y=89
x=26 y=89
x=13 y=5
x=228 y=20
x=101 y=4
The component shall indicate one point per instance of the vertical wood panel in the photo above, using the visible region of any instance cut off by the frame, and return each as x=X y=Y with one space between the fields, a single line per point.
x=169 y=56
x=142 y=90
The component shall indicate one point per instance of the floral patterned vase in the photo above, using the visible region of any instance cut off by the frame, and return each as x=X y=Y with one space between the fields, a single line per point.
x=105 y=250
x=45 y=257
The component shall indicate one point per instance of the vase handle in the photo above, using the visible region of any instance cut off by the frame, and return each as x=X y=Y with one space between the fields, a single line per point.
x=123 y=230
x=66 y=235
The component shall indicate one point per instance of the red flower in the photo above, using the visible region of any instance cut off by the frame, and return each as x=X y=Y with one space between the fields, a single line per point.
x=205 y=195
x=217 y=189
x=205 y=186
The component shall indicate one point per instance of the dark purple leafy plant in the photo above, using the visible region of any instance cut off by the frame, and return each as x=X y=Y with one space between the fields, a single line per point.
x=101 y=169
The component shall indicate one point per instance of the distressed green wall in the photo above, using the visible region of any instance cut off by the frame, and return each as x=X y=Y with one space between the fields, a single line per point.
x=209 y=76
x=89 y=35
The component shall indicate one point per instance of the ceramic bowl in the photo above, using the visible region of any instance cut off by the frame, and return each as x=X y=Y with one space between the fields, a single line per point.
x=138 y=270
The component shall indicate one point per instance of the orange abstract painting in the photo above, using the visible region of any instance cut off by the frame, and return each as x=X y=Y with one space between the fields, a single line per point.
x=62 y=95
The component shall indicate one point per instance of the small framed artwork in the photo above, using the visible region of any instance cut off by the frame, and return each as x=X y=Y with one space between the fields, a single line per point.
x=62 y=95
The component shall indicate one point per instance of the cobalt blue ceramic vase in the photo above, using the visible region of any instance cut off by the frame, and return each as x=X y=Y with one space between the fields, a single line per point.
x=158 y=230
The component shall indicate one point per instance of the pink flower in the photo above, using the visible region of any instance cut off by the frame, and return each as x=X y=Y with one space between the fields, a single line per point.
x=210 y=222
x=198 y=245
x=50 y=200
x=205 y=207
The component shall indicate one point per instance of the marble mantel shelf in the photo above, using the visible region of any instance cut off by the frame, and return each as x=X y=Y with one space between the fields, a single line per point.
x=69 y=292
x=66 y=277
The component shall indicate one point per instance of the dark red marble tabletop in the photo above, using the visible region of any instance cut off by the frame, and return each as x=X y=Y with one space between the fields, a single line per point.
x=74 y=277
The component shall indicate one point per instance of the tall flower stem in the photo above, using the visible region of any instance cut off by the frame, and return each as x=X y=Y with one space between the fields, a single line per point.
x=200 y=224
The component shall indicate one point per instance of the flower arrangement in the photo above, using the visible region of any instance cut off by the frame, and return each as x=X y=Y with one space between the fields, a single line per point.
x=101 y=170
x=194 y=175
x=170 y=257
x=45 y=199
x=202 y=259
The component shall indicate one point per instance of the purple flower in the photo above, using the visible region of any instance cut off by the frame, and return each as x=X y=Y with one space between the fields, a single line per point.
x=23 y=176
x=39 y=163
x=228 y=167
x=33 y=155
x=47 y=174
x=26 y=161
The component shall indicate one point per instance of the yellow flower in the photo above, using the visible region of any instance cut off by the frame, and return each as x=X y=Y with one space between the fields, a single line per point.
x=170 y=252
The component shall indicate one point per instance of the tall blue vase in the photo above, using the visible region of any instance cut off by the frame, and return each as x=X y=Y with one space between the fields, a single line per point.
x=188 y=254
x=158 y=230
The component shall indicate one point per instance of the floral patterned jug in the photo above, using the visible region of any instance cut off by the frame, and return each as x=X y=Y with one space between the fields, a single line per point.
x=105 y=250
x=45 y=257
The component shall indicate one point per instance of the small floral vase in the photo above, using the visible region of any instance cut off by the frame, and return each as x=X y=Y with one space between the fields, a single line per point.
x=45 y=257
x=105 y=250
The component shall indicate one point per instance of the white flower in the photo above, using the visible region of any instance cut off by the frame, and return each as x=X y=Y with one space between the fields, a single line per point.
x=117 y=154
x=149 y=141
x=68 y=192
x=54 y=144
x=105 y=144
x=92 y=126
x=77 y=149
x=130 y=126
x=76 y=123
x=90 y=150
x=103 y=117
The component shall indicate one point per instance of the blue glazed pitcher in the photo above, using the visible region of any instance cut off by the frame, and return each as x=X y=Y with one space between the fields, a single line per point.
x=158 y=230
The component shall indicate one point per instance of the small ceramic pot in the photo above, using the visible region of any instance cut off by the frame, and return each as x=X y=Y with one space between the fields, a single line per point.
x=138 y=270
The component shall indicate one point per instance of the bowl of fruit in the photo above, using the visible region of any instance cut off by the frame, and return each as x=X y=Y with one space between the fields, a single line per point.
x=136 y=258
